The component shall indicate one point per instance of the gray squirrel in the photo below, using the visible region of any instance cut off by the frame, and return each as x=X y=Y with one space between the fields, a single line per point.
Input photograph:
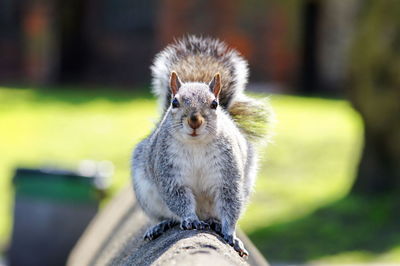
x=197 y=168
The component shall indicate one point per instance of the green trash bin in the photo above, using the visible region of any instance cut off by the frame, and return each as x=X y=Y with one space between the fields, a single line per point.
x=52 y=209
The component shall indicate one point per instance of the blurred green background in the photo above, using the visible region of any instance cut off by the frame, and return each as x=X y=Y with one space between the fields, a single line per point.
x=74 y=85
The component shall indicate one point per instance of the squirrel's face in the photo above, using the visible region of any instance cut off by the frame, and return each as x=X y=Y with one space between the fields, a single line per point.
x=194 y=110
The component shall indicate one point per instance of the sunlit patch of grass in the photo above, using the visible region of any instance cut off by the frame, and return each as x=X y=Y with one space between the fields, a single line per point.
x=312 y=160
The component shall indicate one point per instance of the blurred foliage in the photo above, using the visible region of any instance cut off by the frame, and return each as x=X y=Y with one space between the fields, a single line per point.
x=375 y=63
x=297 y=212
x=375 y=92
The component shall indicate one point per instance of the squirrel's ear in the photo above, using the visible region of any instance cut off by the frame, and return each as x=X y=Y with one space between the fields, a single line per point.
x=215 y=85
x=174 y=83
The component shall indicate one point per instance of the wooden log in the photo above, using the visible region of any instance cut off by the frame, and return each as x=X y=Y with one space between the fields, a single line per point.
x=115 y=237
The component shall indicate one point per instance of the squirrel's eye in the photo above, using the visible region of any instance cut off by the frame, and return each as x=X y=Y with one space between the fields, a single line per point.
x=214 y=104
x=175 y=103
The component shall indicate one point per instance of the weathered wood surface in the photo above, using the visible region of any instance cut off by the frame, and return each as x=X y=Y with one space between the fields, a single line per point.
x=114 y=237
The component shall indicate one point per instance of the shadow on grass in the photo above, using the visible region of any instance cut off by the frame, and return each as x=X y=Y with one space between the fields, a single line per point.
x=354 y=223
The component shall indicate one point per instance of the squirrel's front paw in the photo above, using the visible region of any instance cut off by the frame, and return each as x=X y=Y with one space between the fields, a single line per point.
x=158 y=229
x=193 y=223
x=237 y=244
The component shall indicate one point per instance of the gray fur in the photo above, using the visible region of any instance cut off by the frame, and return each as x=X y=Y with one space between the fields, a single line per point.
x=191 y=175
x=203 y=52
x=197 y=59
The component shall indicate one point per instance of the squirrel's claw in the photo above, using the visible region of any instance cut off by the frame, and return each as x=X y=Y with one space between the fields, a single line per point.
x=237 y=244
x=189 y=224
x=239 y=247
x=203 y=226
x=215 y=225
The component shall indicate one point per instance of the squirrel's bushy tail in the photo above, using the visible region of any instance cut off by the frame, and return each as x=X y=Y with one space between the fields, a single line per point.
x=254 y=117
x=198 y=59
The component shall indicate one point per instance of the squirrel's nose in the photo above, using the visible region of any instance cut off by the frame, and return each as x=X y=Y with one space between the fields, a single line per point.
x=195 y=120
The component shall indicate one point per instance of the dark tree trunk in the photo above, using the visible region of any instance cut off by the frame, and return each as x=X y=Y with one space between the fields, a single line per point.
x=375 y=93
x=309 y=70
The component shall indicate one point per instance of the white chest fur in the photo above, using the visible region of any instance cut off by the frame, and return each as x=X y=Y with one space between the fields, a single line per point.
x=199 y=172
x=198 y=167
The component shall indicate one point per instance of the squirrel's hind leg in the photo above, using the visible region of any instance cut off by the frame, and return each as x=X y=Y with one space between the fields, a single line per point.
x=237 y=244
x=155 y=231
x=232 y=240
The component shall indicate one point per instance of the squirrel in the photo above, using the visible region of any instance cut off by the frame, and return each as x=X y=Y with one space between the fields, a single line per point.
x=198 y=167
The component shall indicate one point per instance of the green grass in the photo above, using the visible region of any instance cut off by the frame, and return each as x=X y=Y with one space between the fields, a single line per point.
x=311 y=162
x=299 y=212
